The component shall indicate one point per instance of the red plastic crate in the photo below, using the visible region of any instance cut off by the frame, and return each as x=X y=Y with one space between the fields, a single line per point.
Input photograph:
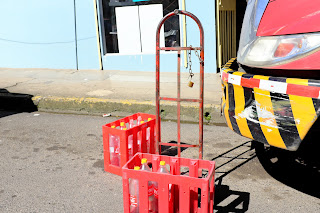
x=185 y=188
x=124 y=134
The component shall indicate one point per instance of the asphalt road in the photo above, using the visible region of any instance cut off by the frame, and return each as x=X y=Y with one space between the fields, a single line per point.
x=54 y=163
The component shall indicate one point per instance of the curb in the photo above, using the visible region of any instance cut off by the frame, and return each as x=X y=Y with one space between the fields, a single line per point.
x=121 y=108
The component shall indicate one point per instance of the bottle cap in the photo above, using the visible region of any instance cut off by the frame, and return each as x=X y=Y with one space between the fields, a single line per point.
x=124 y=129
x=141 y=122
x=144 y=160
x=113 y=127
x=149 y=119
x=121 y=123
x=137 y=168
x=162 y=163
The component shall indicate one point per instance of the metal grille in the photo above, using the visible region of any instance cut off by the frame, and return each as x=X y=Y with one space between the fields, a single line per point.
x=227 y=22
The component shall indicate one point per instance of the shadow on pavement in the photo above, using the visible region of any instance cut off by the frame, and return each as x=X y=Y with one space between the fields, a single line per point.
x=223 y=193
x=13 y=103
x=227 y=200
x=172 y=151
x=300 y=169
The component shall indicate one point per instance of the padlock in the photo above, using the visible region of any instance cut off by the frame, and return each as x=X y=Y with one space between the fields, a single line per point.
x=190 y=84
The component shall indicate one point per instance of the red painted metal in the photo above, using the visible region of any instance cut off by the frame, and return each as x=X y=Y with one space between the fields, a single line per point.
x=179 y=103
x=184 y=187
x=290 y=17
x=178 y=99
x=123 y=135
x=180 y=48
x=181 y=145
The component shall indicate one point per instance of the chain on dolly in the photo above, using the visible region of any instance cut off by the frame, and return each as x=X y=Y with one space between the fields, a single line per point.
x=191 y=83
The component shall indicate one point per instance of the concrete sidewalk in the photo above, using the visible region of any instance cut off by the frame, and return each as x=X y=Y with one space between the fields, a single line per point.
x=118 y=93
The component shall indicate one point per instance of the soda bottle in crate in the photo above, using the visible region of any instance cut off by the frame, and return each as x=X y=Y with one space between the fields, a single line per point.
x=151 y=197
x=122 y=125
x=177 y=191
x=134 y=194
x=162 y=169
x=130 y=139
x=131 y=123
x=139 y=140
x=148 y=138
x=139 y=119
x=114 y=145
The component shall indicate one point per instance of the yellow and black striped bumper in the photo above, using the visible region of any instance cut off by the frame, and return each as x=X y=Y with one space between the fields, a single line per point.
x=273 y=110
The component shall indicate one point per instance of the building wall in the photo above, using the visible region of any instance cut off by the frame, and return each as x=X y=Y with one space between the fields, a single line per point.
x=88 y=45
x=42 y=34
x=205 y=11
x=64 y=34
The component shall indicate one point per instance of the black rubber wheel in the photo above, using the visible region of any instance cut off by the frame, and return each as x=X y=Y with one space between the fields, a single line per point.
x=298 y=169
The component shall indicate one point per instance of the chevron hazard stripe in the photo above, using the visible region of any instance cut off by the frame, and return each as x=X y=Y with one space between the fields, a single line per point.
x=273 y=110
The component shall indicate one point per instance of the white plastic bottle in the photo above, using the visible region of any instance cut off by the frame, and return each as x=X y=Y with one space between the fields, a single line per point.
x=139 y=119
x=130 y=140
x=131 y=123
x=130 y=156
x=117 y=150
x=114 y=145
x=122 y=125
x=139 y=140
x=162 y=169
x=144 y=166
x=134 y=194
x=149 y=142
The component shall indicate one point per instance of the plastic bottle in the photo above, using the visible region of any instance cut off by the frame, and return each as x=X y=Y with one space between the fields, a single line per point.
x=139 y=140
x=114 y=145
x=130 y=140
x=144 y=166
x=134 y=194
x=162 y=169
x=149 y=143
x=122 y=125
x=139 y=120
x=128 y=143
x=131 y=124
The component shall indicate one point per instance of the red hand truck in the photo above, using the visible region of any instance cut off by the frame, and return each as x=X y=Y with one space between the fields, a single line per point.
x=179 y=99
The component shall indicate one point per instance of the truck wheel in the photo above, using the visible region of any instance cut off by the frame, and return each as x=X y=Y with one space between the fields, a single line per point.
x=298 y=169
x=271 y=158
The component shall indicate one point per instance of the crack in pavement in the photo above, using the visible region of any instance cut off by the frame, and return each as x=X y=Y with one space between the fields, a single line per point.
x=16 y=84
